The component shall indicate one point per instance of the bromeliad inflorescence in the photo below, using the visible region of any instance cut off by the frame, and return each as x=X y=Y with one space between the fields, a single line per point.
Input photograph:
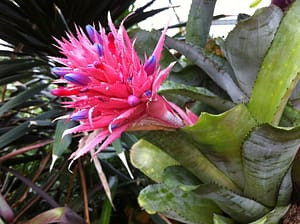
x=110 y=90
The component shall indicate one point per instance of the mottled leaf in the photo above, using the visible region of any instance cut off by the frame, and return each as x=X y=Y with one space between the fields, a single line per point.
x=177 y=204
x=178 y=176
x=150 y=159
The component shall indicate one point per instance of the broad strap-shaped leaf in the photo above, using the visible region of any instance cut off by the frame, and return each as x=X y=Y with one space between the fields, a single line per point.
x=220 y=138
x=151 y=160
x=285 y=189
x=185 y=150
x=238 y=207
x=178 y=176
x=184 y=206
x=267 y=156
x=196 y=93
x=279 y=72
x=248 y=43
x=216 y=72
x=199 y=21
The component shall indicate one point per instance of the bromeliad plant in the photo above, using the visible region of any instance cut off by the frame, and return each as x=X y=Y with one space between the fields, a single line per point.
x=233 y=165
x=230 y=166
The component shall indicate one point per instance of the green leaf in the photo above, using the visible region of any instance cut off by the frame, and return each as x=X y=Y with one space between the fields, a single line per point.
x=199 y=22
x=197 y=93
x=21 y=98
x=285 y=189
x=247 y=44
x=59 y=214
x=290 y=117
x=177 y=204
x=218 y=219
x=178 y=176
x=220 y=138
x=279 y=72
x=238 y=207
x=185 y=150
x=150 y=159
x=60 y=144
x=267 y=156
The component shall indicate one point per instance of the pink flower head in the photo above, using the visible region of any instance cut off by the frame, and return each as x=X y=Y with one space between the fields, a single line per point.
x=110 y=89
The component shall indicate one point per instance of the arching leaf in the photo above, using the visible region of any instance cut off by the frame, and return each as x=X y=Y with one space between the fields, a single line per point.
x=220 y=138
x=248 y=43
x=267 y=156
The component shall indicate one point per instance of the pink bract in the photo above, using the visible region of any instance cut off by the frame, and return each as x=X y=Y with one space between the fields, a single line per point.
x=110 y=89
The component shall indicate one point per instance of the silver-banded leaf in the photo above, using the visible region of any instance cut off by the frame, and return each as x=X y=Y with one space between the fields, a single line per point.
x=150 y=159
x=177 y=204
x=185 y=150
x=279 y=72
x=220 y=138
x=238 y=207
x=248 y=43
x=267 y=155
x=285 y=189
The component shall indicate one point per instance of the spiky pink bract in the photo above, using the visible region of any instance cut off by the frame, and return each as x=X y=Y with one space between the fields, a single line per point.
x=109 y=88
